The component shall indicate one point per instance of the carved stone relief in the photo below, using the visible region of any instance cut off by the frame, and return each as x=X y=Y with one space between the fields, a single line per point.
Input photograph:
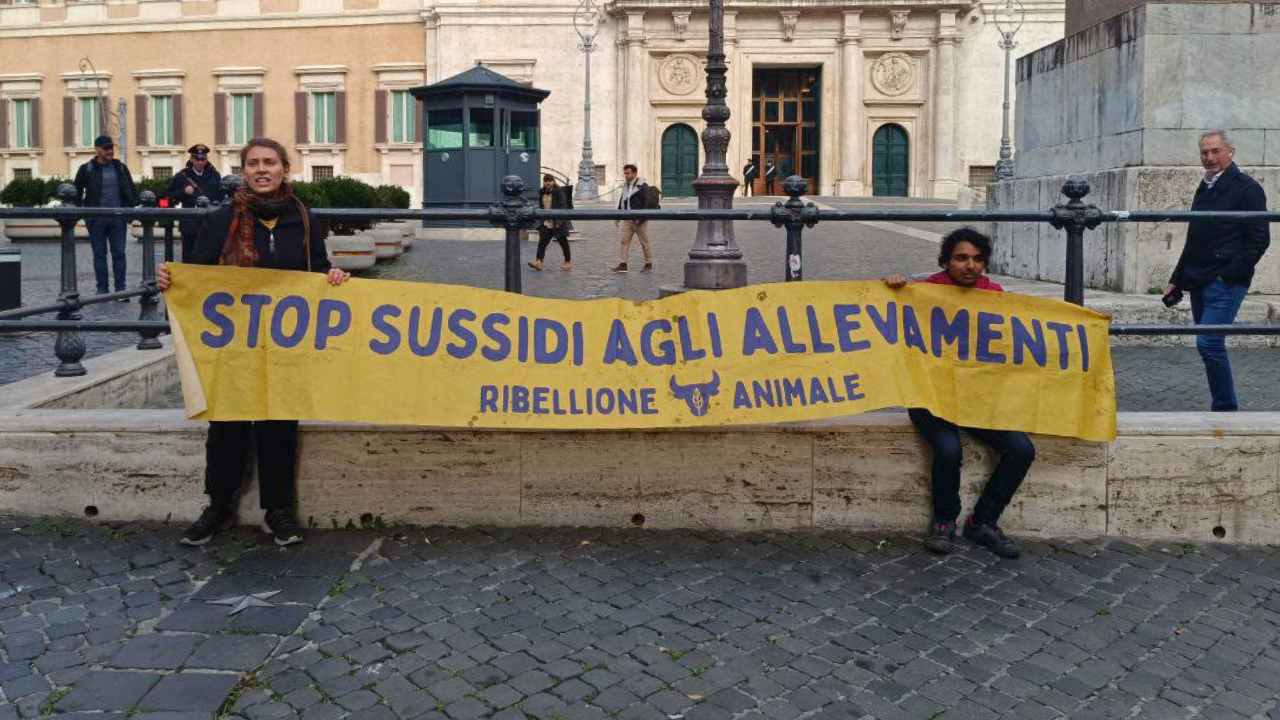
x=679 y=74
x=681 y=20
x=898 y=23
x=893 y=74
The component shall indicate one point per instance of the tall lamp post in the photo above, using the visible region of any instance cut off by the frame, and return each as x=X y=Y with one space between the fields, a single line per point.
x=586 y=22
x=715 y=261
x=1008 y=22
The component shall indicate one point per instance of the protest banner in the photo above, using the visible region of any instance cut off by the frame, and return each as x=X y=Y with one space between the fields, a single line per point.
x=267 y=344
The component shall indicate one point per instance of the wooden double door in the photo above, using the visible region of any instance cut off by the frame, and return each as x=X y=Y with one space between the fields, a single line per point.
x=785 y=115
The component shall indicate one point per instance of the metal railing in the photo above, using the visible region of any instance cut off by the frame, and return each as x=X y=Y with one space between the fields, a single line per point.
x=515 y=214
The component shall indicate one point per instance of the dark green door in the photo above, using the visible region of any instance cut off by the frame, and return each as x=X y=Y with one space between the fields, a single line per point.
x=889 y=161
x=679 y=160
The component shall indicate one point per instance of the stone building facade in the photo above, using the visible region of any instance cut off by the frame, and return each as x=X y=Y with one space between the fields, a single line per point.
x=860 y=98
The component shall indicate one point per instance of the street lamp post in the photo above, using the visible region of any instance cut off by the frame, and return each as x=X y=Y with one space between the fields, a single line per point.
x=715 y=261
x=586 y=24
x=1008 y=27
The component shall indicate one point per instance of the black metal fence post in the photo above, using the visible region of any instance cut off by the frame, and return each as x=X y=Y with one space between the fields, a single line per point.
x=514 y=214
x=795 y=215
x=1075 y=217
x=69 y=346
x=150 y=302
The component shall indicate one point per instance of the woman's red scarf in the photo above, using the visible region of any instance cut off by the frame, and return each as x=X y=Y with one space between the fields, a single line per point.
x=246 y=207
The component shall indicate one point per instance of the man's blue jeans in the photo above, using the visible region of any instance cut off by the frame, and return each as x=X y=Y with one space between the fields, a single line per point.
x=104 y=232
x=1217 y=304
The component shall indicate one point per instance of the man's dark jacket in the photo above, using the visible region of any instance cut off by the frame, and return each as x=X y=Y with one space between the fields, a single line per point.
x=561 y=199
x=289 y=251
x=1220 y=248
x=209 y=185
x=638 y=200
x=89 y=184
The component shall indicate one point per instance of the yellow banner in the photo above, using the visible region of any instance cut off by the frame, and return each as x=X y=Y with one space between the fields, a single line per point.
x=268 y=344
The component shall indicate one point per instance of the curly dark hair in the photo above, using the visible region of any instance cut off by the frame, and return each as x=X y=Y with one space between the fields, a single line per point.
x=964 y=234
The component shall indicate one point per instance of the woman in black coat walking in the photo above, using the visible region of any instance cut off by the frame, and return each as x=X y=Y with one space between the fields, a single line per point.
x=266 y=226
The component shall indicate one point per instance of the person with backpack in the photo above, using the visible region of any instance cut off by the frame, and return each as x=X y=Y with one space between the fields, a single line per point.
x=636 y=195
x=554 y=197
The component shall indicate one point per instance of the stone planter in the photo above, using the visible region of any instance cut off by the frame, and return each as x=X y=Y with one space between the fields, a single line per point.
x=351 y=252
x=39 y=230
x=388 y=242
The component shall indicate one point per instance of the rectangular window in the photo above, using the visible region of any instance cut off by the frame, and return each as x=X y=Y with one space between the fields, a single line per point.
x=444 y=130
x=162 y=173
x=321 y=172
x=403 y=116
x=162 y=120
x=22 y=173
x=21 y=123
x=88 y=121
x=241 y=119
x=524 y=131
x=481 y=130
x=981 y=176
x=324 y=118
x=235 y=169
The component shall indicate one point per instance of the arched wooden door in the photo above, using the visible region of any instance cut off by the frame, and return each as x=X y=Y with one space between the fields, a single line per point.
x=890 y=161
x=679 y=160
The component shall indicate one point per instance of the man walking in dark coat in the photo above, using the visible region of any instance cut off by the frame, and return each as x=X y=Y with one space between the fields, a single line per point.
x=553 y=197
x=198 y=178
x=106 y=182
x=1218 y=258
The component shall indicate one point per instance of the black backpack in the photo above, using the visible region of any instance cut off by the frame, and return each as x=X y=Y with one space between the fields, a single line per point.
x=652 y=198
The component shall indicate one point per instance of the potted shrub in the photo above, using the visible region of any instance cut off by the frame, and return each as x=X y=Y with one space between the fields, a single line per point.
x=34 y=192
x=25 y=192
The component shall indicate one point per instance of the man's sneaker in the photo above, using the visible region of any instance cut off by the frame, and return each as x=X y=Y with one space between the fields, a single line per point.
x=991 y=538
x=620 y=267
x=941 y=537
x=283 y=525
x=215 y=518
x=648 y=267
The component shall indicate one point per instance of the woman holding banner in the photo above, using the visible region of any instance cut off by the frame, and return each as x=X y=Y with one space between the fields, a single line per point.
x=266 y=226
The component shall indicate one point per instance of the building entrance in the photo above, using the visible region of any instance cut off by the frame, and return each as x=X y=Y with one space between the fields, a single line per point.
x=785 y=114
x=679 y=160
x=890 y=162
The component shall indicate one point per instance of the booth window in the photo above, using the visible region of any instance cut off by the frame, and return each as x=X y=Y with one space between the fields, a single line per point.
x=481 y=130
x=524 y=131
x=444 y=130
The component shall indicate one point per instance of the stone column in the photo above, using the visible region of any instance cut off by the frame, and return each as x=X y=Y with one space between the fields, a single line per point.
x=853 y=113
x=637 y=97
x=945 y=183
x=431 y=22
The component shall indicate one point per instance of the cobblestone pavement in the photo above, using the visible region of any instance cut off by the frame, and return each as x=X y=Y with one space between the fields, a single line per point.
x=112 y=623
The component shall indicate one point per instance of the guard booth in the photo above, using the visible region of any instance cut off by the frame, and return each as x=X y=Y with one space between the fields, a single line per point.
x=480 y=127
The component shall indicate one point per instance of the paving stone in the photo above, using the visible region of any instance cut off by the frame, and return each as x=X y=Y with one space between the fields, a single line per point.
x=199 y=692
x=155 y=652
x=232 y=652
x=104 y=690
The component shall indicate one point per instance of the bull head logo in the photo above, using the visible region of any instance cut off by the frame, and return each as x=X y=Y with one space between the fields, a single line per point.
x=698 y=395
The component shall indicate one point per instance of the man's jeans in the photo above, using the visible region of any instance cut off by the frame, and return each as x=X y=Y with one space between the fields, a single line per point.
x=1217 y=304
x=104 y=231
x=1016 y=455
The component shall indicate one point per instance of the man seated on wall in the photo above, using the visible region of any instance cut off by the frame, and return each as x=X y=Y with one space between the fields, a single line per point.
x=963 y=259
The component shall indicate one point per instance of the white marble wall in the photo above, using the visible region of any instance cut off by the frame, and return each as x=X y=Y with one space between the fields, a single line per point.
x=1124 y=104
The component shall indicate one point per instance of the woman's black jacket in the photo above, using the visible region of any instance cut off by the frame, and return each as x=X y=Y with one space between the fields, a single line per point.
x=289 y=253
